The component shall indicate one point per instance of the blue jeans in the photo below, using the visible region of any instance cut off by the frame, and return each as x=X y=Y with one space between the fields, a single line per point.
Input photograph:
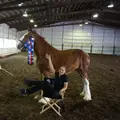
x=48 y=88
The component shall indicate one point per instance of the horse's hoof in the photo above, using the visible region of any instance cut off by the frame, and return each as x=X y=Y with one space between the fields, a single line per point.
x=82 y=94
x=37 y=97
x=87 y=98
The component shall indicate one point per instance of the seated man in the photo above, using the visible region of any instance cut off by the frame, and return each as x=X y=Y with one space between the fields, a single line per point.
x=53 y=88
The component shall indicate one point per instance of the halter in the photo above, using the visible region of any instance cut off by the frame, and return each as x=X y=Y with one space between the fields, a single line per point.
x=21 y=41
x=30 y=46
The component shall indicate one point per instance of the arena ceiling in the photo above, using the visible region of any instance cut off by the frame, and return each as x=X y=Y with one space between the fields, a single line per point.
x=47 y=12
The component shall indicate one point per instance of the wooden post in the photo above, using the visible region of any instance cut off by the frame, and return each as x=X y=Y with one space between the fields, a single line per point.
x=103 y=42
x=62 y=37
x=114 y=42
x=102 y=49
x=72 y=36
x=91 y=49
x=52 y=37
x=62 y=46
x=114 y=50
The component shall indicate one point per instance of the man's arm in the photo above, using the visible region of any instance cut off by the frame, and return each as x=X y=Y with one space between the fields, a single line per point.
x=61 y=92
x=65 y=86
x=50 y=63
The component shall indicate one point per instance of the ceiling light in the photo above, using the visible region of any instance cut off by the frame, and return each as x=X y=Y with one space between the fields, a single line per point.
x=80 y=24
x=20 y=4
x=25 y=14
x=35 y=25
x=95 y=15
x=31 y=20
x=110 y=6
x=86 y=22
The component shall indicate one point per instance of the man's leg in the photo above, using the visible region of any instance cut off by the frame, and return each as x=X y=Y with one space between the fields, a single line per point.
x=56 y=95
x=34 y=86
x=38 y=85
x=31 y=90
x=29 y=82
x=48 y=89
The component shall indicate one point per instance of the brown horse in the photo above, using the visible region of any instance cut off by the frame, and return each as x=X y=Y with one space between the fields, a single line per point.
x=73 y=59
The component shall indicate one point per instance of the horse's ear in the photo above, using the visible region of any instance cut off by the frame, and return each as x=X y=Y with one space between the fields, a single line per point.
x=29 y=28
x=34 y=30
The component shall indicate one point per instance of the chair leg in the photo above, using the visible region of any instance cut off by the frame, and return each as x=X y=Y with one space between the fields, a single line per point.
x=44 y=109
x=51 y=106
x=58 y=112
x=57 y=106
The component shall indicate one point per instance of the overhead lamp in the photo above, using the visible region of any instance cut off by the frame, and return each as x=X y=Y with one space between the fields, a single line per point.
x=31 y=20
x=80 y=24
x=86 y=22
x=20 y=4
x=111 y=5
x=25 y=14
x=35 y=25
x=95 y=15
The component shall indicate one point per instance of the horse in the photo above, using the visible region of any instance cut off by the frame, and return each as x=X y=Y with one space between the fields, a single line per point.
x=72 y=59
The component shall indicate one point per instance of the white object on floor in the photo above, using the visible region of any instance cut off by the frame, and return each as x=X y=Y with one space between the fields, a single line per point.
x=5 y=71
x=37 y=96
x=43 y=101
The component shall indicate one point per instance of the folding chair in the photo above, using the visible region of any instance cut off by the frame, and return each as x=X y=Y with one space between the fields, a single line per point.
x=52 y=104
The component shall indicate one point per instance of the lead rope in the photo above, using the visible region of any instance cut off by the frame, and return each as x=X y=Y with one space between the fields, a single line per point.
x=30 y=46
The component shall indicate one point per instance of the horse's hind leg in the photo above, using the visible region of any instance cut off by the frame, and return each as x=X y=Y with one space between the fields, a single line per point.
x=86 y=89
x=80 y=73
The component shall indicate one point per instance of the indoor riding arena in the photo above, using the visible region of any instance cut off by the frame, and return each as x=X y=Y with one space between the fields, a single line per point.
x=92 y=26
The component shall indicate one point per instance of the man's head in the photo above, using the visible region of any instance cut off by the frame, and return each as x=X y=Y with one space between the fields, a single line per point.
x=62 y=70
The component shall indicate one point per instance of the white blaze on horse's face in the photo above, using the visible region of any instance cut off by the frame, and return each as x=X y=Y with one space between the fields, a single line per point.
x=23 y=36
x=23 y=39
x=62 y=70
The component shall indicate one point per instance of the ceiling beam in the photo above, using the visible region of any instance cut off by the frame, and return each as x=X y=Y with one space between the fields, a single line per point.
x=13 y=3
x=32 y=12
x=84 y=12
x=39 y=23
x=46 y=5
x=90 y=22
x=100 y=23
x=107 y=21
x=64 y=24
x=46 y=16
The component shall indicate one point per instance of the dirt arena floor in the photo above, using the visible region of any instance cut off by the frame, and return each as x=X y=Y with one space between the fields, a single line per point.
x=104 y=75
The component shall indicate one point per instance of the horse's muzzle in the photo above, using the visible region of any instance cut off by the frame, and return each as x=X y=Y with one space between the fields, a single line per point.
x=20 y=45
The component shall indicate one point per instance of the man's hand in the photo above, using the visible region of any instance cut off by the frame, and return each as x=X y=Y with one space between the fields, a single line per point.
x=48 y=80
x=48 y=56
x=50 y=63
x=61 y=92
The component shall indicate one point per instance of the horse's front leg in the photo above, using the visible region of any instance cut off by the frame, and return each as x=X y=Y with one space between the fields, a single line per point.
x=41 y=76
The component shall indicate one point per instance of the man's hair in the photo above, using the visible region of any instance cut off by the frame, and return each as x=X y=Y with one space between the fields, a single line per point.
x=64 y=67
